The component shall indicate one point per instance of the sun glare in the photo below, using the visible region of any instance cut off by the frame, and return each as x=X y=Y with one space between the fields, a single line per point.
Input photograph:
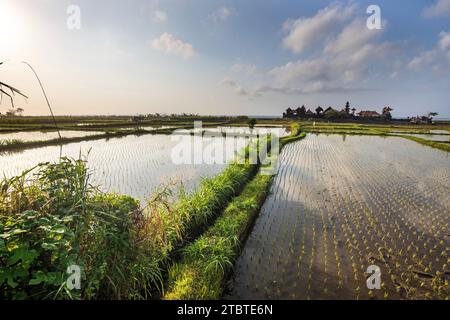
x=11 y=27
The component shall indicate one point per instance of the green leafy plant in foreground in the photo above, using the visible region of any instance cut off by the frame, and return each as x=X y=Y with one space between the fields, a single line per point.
x=51 y=218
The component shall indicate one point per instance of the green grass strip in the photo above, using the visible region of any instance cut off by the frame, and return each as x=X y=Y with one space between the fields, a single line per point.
x=205 y=264
x=207 y=261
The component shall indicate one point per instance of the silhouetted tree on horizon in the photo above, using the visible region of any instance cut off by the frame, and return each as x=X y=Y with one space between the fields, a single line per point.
x=251 y=123
x=347 y=108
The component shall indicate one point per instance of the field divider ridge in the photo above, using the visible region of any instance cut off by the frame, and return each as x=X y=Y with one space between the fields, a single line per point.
x=206 y=263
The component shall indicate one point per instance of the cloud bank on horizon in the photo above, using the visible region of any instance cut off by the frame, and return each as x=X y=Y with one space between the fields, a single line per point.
x=231 y=57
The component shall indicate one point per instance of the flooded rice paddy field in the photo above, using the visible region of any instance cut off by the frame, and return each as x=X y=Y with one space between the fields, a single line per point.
x=438 y=136
x=340 y=204
x=27 y=136
x=280 y=132
x=431 y=137
x=132 y=165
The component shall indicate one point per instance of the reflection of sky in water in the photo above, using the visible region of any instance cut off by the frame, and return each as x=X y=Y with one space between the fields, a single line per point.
x=129 y=165
x=45 y=135
x=408 y=164
x=281 y=132
x=359 y=186
x=440 y=135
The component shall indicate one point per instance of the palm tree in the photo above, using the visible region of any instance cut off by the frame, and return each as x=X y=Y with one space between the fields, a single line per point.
x=9 y=91
x=14 y=91
x=251 y=123
x=347 y=108
x=20 y=111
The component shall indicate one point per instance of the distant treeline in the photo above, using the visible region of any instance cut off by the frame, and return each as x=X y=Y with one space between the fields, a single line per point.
x=107 y=118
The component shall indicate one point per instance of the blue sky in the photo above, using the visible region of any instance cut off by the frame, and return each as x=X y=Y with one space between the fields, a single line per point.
x=228 y=57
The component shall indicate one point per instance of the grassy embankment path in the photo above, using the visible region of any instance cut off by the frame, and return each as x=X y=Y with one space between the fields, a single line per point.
x=207 y=262
x=352 y=129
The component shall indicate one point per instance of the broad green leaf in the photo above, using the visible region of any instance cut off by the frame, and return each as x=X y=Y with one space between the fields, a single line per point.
x=39 y=277
x=17 y=231
x=23 y=254
x=49 y=246
x=2 y=246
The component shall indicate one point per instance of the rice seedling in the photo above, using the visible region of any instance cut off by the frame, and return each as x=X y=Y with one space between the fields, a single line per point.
x=364 y=211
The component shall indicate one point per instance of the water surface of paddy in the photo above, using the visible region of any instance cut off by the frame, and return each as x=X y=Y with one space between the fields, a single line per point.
x=27 y=136
x=438 y=136
x=133 y=165
x=278 y=131
x=340 y=204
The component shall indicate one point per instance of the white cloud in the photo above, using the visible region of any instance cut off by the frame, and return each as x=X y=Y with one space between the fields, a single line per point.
x=241 y=91
x=167 y=43
x=444 y=41
x=343 y=56
x=305 y=32
x=436 y=59
x=439 y=8
x=159 y=16
x=222 y=14
x=352 y=38
x=344 y=60
x=246 y=69
x=228 y=82
x=425 y=58
x=238 y=90
x=302 y=70
x=346 y=55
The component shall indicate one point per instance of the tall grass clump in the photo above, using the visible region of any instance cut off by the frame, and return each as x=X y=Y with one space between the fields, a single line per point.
x=52 y=218
x=170 y=225
x=205 y=264
x=10 y=142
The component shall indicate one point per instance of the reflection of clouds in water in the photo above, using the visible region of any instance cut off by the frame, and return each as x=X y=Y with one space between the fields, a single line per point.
x=395 y=168
x=366 y=187
x=430 y=137
x=130 y=165
x=27 y=136
x=230 y=131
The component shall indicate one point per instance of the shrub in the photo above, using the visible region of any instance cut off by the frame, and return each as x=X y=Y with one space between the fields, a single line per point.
x=51 y=218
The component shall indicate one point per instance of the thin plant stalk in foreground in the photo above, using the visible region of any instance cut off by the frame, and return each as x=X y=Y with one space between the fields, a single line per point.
x=45 y=95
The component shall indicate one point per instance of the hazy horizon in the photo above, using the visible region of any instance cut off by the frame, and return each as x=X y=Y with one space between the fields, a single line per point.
x=225 y=57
